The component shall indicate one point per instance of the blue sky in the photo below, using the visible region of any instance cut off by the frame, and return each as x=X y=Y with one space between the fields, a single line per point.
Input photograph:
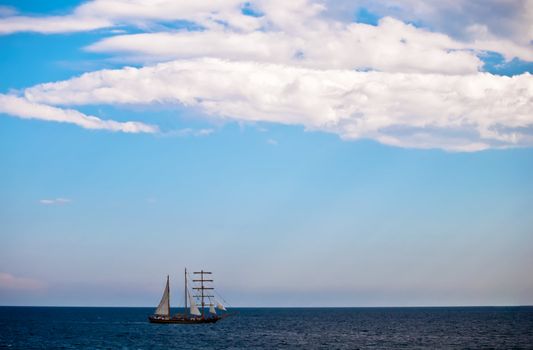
x=363 y=203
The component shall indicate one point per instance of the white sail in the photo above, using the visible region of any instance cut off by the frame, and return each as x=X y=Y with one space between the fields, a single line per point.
x=164 y=305
x=220 y=306
x=212 y=309
x=193 y=308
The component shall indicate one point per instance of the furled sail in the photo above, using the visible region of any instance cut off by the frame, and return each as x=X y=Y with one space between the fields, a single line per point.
x=212 y=309
x=164 y=305
x=193 y=308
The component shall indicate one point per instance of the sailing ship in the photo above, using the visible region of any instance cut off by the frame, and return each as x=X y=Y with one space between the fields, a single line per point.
x=192 y=313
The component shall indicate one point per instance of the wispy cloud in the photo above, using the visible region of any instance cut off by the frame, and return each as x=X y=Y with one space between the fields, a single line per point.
x=99 y=14
x=6 y=11
x=187 y=132
x=48 y=25
x=55 y=201
x=14 y=283
x=272 y=142
x=22 y=108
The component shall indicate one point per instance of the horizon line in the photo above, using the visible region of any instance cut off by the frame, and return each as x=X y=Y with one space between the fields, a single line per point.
x=285 y=307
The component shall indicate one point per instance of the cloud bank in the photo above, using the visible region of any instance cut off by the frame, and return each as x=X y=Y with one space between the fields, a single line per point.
x=454 y=112
x=302 y=63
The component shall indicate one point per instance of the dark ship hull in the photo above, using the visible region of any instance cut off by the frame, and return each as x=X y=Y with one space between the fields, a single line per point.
x=183 y=320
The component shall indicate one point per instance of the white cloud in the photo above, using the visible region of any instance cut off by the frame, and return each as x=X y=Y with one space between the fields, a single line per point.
x=272 y=142
x=187 y=132
x=504 y=26
x=205 y=12
x=393 y=46
x=55 y=201
x=22 y=108
x=294 y=63
x=99 y=14
x=508 y=49
x=512 y=19
x=11 y=282
x=462 y=113
x=48 y=25
x=287 y=29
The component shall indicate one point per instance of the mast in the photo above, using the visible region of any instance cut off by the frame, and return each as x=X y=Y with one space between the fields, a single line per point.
x=202 y=288
x=185 y=294
x=168 y=299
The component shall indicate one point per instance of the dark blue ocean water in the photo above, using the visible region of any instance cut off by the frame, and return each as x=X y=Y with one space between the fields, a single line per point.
x=271 y=328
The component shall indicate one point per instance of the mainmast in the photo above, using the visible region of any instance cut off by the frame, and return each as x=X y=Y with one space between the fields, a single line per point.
x=185 y=294
x=202 y=288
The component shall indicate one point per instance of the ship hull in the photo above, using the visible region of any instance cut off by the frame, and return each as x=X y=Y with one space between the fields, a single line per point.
x=183 y=320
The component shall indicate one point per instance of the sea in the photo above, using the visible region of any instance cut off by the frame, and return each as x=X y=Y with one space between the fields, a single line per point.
x=271 y=328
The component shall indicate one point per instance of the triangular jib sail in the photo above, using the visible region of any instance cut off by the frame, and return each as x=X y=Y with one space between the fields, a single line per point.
x=164 y=305
x=220 y=306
